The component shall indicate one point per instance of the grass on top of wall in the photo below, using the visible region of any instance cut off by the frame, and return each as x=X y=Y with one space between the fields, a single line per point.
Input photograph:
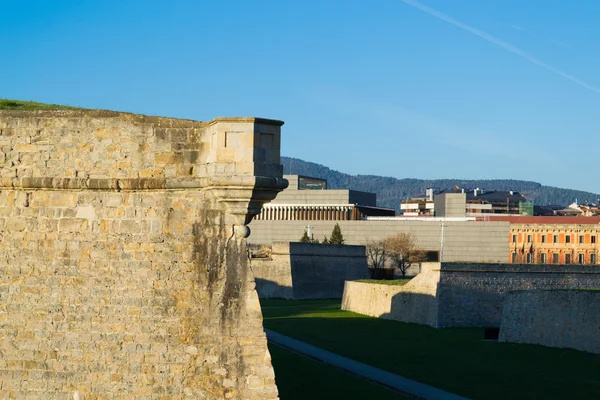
x=301 y=378
x=454 y=359
x=6 y=104
x=397 y=282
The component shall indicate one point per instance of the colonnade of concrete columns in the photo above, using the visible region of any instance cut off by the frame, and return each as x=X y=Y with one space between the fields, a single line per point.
x=300 y=212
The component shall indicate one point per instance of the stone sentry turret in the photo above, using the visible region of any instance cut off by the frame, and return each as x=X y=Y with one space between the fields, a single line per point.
x=123 y=264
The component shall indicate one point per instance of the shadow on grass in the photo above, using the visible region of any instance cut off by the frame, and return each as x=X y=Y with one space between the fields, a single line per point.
x=300 y=378
x=454 y=359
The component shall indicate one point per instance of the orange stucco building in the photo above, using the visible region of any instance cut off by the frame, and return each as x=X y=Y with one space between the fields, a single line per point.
x=553 y=240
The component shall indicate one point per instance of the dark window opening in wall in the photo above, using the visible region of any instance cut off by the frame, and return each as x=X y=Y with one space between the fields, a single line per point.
x=567 y=238
x=514 y=238
x=514 y=257
x=555 y=258
x=593 y=239
x=555 y=238
x=581 y=239
x=543 y=238
x=567 y=259
x=529 y=238
x=529 y=258
x=581 y=258
x=592 y=259
x=543 y=257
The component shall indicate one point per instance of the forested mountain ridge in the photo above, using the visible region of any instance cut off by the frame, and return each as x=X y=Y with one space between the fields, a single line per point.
x=391 y=191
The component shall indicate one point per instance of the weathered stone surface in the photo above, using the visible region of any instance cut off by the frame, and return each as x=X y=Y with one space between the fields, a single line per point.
x=557 y=318
x=462 y=294
x=118 y=283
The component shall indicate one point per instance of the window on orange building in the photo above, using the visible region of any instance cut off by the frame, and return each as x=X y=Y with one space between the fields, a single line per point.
x=543 y=257
x=543 y=238
x=529 y=238
x=567 y=259
x=514 y=238
x=593 y=238
x=529 y=258
x=567 y=238
x=592 y=259
x=555 y=238
x=581 y=239
x=581 y=258
x=514 y=257
x=555 y=258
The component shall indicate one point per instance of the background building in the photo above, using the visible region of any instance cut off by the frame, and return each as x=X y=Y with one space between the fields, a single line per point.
x=308 y=199
x=476 y=202
x=553 y=240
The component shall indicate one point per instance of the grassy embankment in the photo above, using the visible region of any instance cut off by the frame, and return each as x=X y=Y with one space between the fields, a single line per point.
x=395 y=282
x=454 y=359
x=6 y=104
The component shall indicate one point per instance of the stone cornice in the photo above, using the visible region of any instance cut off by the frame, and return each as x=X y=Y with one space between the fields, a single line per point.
x=241 y=197
x=127 y=184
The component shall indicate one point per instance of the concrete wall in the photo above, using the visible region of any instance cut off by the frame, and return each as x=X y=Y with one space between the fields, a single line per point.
x=123 y=266
x=469 y=241
x=557 y=318
x=307 y=270
x=414 y=302
x=450 y=204
x=338 y=196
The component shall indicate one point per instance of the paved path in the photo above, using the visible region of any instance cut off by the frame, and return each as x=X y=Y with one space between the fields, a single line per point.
x=380 y=376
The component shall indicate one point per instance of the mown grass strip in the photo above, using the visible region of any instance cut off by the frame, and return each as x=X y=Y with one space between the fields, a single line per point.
x=454 y=359
x=300 y=378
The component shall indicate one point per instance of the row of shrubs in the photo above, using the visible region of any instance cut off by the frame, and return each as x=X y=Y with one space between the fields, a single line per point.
x=335 y=238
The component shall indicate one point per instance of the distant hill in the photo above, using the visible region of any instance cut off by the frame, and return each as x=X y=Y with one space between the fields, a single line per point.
x=390 y=191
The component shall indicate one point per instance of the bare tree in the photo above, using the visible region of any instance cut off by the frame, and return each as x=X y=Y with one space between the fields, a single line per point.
x=403 y=251
x=376 y=253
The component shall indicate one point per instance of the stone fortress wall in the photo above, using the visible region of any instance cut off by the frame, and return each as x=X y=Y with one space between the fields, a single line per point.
x=123 y=264
x=557 y=318
x=308 y=270
x=463 y=294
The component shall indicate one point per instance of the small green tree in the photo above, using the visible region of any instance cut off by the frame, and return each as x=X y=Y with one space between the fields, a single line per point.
x=336 y=235
x=325 y=241
x=305 y=238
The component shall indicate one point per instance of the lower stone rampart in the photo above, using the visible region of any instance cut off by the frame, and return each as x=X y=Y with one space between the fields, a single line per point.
x=473 y=294
x=462 y=294
x=556 y=318
x=414 y=302
x=308 y=270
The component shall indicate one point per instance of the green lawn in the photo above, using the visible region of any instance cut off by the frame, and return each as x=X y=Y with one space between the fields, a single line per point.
x=300 y=378
x=453 y=359
x=6 y=104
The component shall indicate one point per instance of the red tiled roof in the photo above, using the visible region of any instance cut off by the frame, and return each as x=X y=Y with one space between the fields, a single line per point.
x=542 y=220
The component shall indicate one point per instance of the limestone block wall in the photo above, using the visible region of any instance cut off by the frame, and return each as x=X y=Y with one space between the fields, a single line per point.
x=470 y=241
x=414 y=302
x=556 y=318
x=123 y=264
x=307 y=270
x=474 y=294
x=463 y=294
x=106 y=144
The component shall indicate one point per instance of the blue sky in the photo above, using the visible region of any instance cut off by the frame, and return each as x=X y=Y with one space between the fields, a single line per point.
x=433 y=89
